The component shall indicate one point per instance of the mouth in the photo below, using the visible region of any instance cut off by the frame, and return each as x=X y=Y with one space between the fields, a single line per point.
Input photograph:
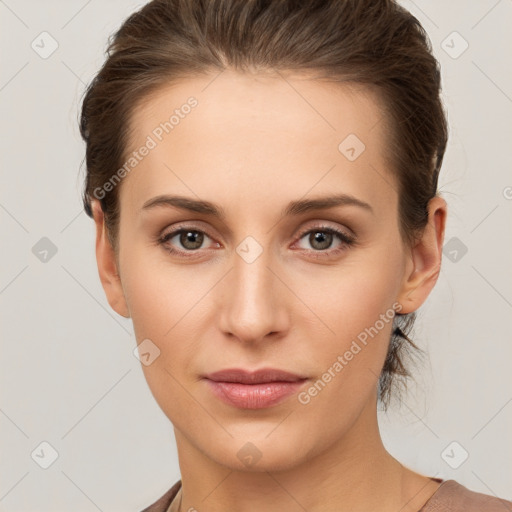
x=263 y=376
x=254 y=390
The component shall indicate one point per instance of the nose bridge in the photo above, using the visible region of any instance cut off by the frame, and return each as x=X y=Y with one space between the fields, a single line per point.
x=253 y=307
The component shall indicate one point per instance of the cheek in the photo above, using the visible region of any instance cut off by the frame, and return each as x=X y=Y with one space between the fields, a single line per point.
x=354 y=296
x=163 y=302
x=166 y=303
x=158 y=293
x=357 y=304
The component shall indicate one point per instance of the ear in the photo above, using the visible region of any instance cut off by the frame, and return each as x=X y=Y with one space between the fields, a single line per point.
x=107 y=264
x=424 y=260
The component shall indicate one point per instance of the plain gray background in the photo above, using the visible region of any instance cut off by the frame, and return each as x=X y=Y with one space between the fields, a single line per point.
x=68 y=374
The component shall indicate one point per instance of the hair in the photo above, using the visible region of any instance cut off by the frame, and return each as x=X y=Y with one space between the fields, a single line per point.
x=375 y=43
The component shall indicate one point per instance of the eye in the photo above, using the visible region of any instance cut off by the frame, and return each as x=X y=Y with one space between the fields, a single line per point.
x=184 y=241
x=321 y=239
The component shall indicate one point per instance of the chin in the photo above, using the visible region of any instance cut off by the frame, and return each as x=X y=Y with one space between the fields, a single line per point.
x=258 y=454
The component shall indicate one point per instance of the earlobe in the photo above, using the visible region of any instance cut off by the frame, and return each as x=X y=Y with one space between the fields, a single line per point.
x=107 y=265
x=424 y=262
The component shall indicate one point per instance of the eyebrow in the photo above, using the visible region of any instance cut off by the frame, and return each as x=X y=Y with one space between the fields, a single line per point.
x=294 y=208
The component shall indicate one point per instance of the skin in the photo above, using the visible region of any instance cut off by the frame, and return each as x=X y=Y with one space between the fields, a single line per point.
x=252 y=145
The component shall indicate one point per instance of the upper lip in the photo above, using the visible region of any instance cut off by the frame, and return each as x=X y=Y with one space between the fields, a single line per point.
x=261 y=376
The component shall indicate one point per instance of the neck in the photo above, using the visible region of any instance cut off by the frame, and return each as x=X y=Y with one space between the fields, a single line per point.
x=354 y=474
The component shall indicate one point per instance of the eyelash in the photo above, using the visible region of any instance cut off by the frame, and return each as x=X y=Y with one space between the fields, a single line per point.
x=347 y=241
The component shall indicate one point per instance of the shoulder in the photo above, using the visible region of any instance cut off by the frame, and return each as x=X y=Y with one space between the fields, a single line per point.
x=454 y=497
x=162 y=504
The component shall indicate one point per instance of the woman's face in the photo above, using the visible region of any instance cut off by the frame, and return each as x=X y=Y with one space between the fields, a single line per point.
x=263 y=280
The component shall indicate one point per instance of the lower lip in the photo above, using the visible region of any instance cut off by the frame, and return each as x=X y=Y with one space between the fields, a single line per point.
x=254 y=396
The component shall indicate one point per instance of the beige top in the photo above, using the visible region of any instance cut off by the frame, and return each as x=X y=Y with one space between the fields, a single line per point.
x=449 y=497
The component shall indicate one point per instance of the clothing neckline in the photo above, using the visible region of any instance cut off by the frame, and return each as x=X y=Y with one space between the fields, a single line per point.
x=177 y=496
x=433 y=497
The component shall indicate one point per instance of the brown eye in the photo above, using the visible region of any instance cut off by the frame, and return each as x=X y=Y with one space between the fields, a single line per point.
x=191 y=240
x=320 y=240
x=186 y=241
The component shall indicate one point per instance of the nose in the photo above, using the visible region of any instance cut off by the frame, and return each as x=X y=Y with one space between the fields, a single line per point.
x=253 y=301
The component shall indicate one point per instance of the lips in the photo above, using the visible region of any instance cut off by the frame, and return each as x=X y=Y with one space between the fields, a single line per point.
x=254 y=390
x=262 y=376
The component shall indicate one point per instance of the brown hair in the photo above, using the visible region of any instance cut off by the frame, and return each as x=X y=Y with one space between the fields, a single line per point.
x=372 y=42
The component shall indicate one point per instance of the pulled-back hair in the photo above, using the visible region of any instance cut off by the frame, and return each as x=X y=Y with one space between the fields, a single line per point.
x=376 y=43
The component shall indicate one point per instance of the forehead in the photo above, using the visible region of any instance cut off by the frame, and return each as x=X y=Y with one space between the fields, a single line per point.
x=250 y=132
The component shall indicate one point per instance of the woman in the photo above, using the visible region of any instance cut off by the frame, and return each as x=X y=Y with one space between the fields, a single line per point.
x=263 y=179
